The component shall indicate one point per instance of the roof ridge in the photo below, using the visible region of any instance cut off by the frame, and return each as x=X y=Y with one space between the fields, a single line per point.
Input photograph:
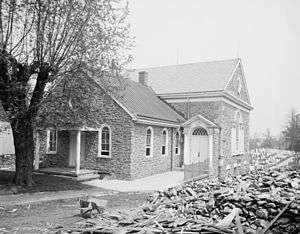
x=183 y=64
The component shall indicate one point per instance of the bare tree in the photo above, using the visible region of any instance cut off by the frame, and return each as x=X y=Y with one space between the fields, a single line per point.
x=268 y=140
x=42 y=41
x=291 y=132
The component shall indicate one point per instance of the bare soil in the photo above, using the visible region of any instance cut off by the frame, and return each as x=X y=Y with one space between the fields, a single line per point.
x=48 y=217
x=42 y=183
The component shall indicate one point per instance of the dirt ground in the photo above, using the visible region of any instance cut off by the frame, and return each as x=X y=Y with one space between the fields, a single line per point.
x=46 y=218
x=42 y=183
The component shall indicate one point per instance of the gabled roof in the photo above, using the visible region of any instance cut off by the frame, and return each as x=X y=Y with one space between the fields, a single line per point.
x=193 y=77
x=141 y=102
x=201 y=118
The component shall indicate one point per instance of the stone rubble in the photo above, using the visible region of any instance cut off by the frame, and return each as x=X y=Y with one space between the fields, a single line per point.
x=245 y=204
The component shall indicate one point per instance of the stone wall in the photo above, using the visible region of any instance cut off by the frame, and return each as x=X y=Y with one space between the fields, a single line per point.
x=221 y=114
x=7 y=161
x=143 y=165
x=233 y=85
x=234 y=162
x=105 y=111
x=60 y=159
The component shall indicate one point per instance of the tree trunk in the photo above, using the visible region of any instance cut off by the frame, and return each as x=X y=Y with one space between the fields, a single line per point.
x=24 y=150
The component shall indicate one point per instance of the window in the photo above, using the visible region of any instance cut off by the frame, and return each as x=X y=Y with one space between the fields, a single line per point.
x=237 y=129
x=200 y=132
x=164 y=147
x=237 y=135
x=149 y=142
x=105 y=142
x=177 y=143
x=51 y=141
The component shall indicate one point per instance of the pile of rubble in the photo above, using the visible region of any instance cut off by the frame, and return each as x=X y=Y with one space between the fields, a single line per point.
x=260 y=202
x=265 y=158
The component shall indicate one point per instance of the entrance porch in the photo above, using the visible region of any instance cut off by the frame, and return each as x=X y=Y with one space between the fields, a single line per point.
x=66 y=171
x=68 y=156
x=200 y=137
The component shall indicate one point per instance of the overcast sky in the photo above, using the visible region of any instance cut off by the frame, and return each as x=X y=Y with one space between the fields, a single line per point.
x=264 y=33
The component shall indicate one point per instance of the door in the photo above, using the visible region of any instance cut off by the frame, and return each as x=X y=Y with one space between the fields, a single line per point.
x=199 y=145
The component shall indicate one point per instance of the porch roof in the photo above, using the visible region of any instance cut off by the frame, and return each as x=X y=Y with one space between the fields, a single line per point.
x=201 y=118
x=64 y=128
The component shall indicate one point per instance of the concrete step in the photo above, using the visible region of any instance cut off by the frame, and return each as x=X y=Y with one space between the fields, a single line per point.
x=87 y=177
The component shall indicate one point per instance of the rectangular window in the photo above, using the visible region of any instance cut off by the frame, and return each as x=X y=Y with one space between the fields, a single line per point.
x=163 y=150
x=177 y=143
x=148 y=151
x=105 y=141
x=149 y=141
x=51 y=141
x=164 y=142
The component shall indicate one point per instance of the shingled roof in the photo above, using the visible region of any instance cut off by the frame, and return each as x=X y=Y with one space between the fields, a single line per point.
x=193 y=77
x=142 y=102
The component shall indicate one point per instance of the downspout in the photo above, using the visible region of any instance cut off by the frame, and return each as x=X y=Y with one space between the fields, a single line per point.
x=172 y=133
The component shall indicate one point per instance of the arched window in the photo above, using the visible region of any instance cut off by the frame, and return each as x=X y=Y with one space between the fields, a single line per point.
x=237 y=129
x=105 y=142
x=149 y=142
x=51 y=141
x=177 y=143
x=237 y=135
x=164 y=146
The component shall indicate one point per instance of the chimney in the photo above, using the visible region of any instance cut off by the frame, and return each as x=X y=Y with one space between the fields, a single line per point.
x=143 y=78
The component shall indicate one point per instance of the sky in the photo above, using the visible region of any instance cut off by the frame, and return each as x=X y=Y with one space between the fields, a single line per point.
x=265 y=34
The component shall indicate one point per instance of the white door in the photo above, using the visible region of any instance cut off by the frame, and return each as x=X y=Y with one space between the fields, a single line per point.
x=199 y=145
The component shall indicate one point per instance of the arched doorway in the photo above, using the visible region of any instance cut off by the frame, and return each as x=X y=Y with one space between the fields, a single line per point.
x=199 y=145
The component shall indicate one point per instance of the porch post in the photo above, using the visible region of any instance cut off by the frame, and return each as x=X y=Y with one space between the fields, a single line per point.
x=78 y=143
x=210 y=151
x=37 y=151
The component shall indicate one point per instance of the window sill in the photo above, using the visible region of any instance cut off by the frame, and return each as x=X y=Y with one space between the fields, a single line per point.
x=51 y=152
x=238 y=154
x=103 y=156
x=149 y=156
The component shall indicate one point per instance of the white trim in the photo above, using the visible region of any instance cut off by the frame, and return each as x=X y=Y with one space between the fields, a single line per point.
x=237 y=100
x=243 y=78
x=167 y=142
x=132 y=115
x=156 y=123
x=232 y=74
x=100 y=142
x=48 y=142
x=69 y=129
x=151 y=143
x=221 y=96
x=201 y=118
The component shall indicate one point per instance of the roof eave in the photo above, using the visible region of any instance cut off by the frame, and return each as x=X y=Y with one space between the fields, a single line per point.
x=207 y=94
x=154 y=122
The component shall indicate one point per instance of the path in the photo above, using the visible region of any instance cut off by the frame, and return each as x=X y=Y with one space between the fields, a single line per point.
x=150 y=183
